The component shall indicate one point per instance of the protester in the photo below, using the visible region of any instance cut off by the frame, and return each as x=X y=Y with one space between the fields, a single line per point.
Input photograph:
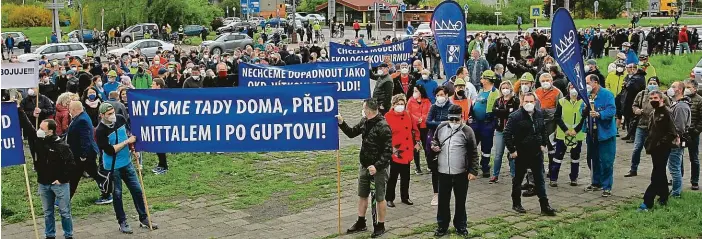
x=503 y=107
x=694 y=131
x=54 y=164
x=548 y=96
x=476 y=66
x=592 y=69
x=438 y=113
x=162 y=166
x=569 y=135
x=112 y=137
x=383 y=88
x=681 y=115
x=483 y=121
x=376 y=153
x=194 y=81
x=47 y=88
x=461 y=98
x=526 y=140
x=601 y=144
x=419 y=106
x=642 y=109
x=661 y=137
x=646 y=66
x=37 y=108
x=62 y=117
x=405 y=140
x=457 y=161
x=141 y=80
x=428 y=83
x=91 y=102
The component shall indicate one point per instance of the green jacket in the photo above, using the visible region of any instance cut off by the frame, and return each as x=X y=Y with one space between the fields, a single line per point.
x=142 y=81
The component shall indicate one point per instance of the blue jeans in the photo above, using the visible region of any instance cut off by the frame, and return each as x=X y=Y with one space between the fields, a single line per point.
x=639 y=139
x=50 y=193
x=693 y=148
x=499 y=151
x=675 y=168
x=484 y=133
x=128 y=175
x=600 y=159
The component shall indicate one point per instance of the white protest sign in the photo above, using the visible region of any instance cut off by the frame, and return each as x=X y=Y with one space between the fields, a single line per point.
x=19 y=75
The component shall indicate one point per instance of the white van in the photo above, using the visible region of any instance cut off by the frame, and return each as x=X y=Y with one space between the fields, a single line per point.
x=55 y=51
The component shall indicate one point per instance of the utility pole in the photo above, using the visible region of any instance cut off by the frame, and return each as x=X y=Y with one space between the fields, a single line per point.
x=550 y=16
x=102 y=19
x=54 y=6
x=80 y=13
x=566 y=4
x=294 y=6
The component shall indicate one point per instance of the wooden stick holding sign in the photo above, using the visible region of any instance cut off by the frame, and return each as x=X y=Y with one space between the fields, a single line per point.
x=31 y=204
x=338 y=187
x=137 y=157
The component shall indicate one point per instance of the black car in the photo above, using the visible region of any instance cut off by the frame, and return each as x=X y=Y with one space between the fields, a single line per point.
x=235 y=27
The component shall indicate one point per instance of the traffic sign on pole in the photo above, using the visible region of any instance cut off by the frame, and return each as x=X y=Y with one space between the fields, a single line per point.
x=393 y=10
x=403 y=7
x=465 y=7
x=597 y=6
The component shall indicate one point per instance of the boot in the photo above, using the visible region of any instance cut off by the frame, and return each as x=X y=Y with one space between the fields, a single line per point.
x=359 y=226
x=546 y=209
x=518 y=208
x=378 y=230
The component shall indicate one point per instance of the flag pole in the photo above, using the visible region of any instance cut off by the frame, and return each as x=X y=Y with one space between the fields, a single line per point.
x=143 y=191
x=31 y=204
x=338 y=187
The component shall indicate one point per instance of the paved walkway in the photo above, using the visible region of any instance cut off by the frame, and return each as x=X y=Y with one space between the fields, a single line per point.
x=201 y=218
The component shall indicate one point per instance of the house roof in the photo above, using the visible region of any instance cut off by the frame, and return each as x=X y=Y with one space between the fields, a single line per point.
x=358 y=5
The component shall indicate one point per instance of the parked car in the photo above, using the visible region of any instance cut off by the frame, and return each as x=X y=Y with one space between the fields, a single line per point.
x=87 y=35
x=302 y=16
x=194 y=30
x=136 y=32
x=234 y=27
x=316 y=17
x=55 y=51
x=696 y=74
x=256 y=20
x=227 y=43
x=148 y=47
x=422 y=30
x=275 y=22
x=18 y=36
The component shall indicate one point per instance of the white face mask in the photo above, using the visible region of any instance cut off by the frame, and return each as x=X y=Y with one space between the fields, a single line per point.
x=112 y=118
x=589 y=88
x=440 y=99
x=416 y=95
x=688 y=92
x=671 y=92
x=363 y=114
x=529 y=107
x=31 y=92
x=506 y=91
x=587 y=68
x=546 y=85
x=380 y=72
x=399 y=108
x=525 y=88
x=41 y=134
x=454 y=125
x=425 y=77
x=620 y=69
x=404 y=71
x=573 y=93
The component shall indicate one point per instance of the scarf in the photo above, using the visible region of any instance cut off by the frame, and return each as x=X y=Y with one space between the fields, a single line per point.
x=92 y=104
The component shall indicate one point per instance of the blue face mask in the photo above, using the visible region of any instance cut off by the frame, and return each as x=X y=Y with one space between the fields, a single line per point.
x=92 y=97
x=652 y=87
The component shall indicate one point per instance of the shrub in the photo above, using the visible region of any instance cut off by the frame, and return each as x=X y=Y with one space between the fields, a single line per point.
x=25 y=15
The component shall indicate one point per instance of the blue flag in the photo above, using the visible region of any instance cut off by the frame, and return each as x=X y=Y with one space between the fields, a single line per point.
x=400 y=51
x=12 y=148
x=256 y=119
x=351 y=78
x=566 y=50
x=448 y=24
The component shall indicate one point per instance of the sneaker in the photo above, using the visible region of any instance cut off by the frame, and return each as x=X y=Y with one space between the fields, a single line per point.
x=553 y=184
x=391 y=204
x=606 y=193
x=574 y=183
x=440 y=232
x=695 y=187
x=630 y=174
x=145 y=224
x=462 y=232
x=162 y=171
x=592 y=188
x=359 y=226
x=124 y=228
x=157 y=169
x=103 y=201
x=493 y=180
x=435 y=200
x=642 y=208
x=418 y=172
x=518 y=209
x=548 y=211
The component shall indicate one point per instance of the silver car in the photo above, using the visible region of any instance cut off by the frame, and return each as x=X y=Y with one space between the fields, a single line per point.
x=696 y=74
x=227 y=43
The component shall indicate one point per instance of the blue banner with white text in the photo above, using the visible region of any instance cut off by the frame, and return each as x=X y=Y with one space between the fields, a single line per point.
x=256 y=119
x=12 y=147
x=448 y=25
x=399 y=52
x=566 y=49
x=351 y=78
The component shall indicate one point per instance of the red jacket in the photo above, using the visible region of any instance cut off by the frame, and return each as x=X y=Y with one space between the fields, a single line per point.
x=682 y=37
x=404 y=135
x=62 y=118
x=356 y=26
x=419 y=110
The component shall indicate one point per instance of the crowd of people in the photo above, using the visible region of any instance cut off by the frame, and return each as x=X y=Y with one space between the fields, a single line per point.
x=456 y=124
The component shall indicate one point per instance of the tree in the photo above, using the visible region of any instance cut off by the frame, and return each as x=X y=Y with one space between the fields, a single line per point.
x=183 y=12
x=228 y=4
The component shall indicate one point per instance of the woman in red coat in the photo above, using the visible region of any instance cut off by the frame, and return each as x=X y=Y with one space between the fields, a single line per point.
x=405 y=139
x=418 y=106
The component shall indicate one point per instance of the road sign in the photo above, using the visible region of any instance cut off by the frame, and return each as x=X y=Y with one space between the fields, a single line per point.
x=466 y=7
x=393 y=10
x=498 y=13
x=536 y=11
x=253 y=6
x=628 y=4
x=403 y=7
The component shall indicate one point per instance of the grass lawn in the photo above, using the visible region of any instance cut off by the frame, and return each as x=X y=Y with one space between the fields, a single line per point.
x=295 y=179
x=669 y=68
x=680 y=219
x=38 y=35
x=583 y=23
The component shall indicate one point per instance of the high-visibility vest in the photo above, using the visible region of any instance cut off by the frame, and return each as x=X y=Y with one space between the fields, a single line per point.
x=571 y=115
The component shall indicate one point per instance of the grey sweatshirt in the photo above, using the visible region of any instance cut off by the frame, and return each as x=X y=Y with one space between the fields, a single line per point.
x=681 y=115
x=459 y=153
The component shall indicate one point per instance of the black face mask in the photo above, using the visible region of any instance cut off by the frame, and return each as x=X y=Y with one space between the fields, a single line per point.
x=655 y=104
x=104 y=69
x=461 y=93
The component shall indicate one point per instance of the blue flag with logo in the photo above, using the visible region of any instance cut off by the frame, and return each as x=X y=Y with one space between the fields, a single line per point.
x=448 y=24
x=255 y=119
x=566 y=50
x=400 y=51
x=351 y=78
x=12 y=148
